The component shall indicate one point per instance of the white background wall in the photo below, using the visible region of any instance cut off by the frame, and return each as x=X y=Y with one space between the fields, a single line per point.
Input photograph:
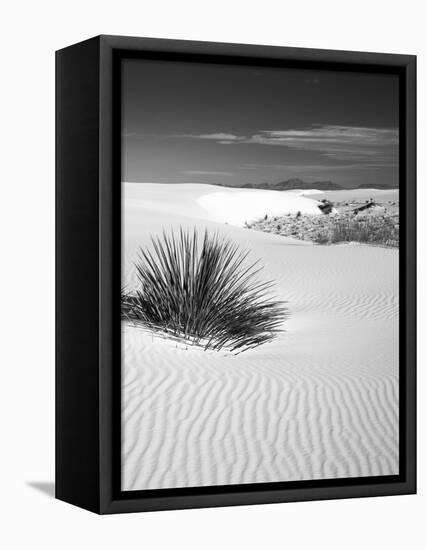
x=30 y=32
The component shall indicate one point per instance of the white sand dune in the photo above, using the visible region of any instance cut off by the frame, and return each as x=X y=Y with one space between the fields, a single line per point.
x=320 y=401
x=211 y=202
x=237 y=207
x=381 y=195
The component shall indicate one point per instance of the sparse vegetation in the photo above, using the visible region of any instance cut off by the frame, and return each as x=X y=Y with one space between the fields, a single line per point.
x=321 y=238
x=365 y=230
x=202 y=290
x=368 y=223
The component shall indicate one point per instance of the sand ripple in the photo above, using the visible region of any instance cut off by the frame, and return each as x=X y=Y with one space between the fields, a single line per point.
x=193 y=421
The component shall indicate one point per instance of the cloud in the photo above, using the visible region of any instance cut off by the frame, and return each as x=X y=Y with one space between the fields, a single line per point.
x=219 y=137
x=207 y=173
x=328 y=136
x=318 y=167
x=343 y=143
x=215 y=136
x=356 y=144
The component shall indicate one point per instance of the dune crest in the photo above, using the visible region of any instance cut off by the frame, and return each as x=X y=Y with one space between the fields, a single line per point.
x=238 y=207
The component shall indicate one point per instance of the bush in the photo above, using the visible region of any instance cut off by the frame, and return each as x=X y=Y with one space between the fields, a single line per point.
x=321 y=238
x=365 y=230
x=200 y=290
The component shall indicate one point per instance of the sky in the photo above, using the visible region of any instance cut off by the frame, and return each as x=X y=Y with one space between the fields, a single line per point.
x=231 y=124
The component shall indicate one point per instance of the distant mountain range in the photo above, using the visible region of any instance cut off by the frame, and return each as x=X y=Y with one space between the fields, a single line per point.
x=296 y=183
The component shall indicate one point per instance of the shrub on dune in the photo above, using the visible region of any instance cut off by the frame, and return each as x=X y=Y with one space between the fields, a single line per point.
x=369 y=230
x=365 y=230
x=202 y=290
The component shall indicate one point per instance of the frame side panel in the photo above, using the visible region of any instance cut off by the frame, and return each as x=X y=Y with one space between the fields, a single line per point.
x=110 y=280
x=77 y=279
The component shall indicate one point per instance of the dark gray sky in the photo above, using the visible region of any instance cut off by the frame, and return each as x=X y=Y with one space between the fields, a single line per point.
x=208 y=123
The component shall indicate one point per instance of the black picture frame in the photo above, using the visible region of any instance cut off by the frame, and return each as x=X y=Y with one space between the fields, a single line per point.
x=88 y=217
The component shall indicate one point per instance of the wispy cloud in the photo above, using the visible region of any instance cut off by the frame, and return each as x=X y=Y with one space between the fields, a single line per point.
x=219 y=137
x=207 y=173
x=318 y=167
x=356 y=144
x=339 y=142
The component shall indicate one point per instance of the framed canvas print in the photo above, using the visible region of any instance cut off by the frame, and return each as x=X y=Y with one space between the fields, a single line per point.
x=235 y=274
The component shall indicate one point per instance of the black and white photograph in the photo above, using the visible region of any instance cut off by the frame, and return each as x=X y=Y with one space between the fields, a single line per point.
x=260 y=274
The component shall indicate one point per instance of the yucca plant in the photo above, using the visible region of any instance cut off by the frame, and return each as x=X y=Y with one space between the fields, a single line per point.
x=202 y=290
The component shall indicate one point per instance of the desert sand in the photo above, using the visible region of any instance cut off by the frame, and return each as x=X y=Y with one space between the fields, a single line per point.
x=320 y=401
